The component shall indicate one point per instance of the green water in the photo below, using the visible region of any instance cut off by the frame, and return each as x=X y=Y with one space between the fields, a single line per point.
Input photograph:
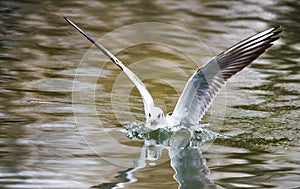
x=63 y=105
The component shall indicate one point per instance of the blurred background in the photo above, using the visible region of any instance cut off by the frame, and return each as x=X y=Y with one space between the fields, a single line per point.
x=40 y=145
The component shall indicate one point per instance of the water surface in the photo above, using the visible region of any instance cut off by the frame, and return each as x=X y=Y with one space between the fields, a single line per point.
x=43 y=145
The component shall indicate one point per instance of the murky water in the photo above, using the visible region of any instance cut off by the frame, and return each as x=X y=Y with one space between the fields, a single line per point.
x=49 y=74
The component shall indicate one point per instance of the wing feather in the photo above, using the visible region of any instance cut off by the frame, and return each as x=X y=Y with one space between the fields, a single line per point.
x=146 y=96
x=206 y=82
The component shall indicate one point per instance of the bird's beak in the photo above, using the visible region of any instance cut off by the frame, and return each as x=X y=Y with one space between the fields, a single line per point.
x=152 y=121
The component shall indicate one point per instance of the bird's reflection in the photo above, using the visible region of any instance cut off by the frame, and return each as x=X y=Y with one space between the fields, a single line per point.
x=185 y=158
x=190 y=167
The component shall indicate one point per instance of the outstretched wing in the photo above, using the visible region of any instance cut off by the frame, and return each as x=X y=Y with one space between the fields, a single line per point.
x=147 y=98
x=206 y=82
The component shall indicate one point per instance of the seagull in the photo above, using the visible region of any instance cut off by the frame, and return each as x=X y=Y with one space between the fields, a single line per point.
x=203 y=85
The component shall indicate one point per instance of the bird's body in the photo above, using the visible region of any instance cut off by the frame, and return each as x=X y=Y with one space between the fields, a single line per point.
x=203 y=85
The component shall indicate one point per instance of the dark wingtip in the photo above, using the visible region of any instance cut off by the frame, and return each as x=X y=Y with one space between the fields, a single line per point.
x=276 y=27
x=277 y=30
x=67 y=19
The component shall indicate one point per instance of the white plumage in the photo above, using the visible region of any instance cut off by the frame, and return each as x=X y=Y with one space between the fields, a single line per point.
x=203 y=85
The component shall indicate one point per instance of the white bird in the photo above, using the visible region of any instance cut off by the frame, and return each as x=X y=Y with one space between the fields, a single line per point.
x=203 y=85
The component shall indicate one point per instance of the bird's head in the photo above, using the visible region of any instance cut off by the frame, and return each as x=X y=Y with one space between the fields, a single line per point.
x=156 y=118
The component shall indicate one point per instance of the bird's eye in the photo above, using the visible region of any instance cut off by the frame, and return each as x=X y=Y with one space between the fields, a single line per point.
x=149 y=115
x=158 y=115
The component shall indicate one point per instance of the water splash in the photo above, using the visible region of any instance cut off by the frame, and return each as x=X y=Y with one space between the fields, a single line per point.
x=178 y=136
